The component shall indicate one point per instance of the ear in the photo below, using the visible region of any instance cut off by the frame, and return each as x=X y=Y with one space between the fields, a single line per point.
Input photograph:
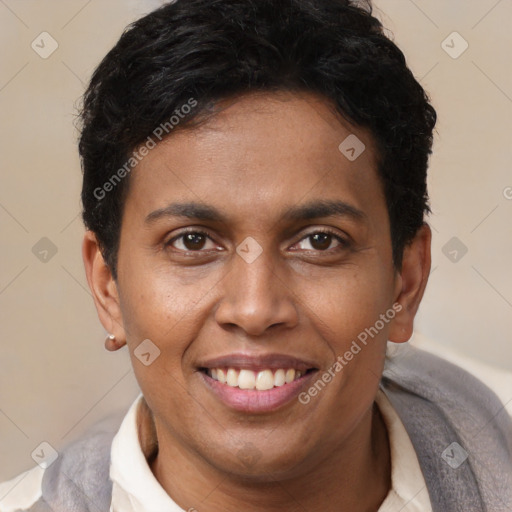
x=104 y=291
x=411 y=283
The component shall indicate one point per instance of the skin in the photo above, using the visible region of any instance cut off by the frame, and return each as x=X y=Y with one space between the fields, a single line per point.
x=262 y=154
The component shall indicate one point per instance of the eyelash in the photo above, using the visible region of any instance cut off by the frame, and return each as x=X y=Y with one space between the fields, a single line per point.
x=343 y=243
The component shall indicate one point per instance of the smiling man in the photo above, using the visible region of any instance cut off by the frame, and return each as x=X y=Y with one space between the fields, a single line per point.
x=241 y=334
x=254 y=196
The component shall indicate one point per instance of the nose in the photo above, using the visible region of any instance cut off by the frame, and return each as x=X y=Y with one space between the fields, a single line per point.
x=256 y=297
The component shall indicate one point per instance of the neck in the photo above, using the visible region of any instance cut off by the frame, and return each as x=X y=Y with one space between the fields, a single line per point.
x=356 y=477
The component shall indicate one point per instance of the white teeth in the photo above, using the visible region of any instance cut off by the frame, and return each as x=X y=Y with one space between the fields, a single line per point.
x=290 y=376
x=232 y=378
x=248 y=379
x=279 y=378
x=264 y=380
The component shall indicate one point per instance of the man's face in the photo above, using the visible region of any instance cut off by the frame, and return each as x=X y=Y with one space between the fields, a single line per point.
x=259 y=289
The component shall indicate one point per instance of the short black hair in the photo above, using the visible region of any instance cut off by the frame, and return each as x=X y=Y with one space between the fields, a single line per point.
x=195 y=53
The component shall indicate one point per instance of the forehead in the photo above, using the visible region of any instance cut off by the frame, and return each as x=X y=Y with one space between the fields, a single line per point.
x=259 y=153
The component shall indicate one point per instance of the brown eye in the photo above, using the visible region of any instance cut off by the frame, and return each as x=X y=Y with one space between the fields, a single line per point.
x=321 y=241
x=194 y=241
x=190 y=241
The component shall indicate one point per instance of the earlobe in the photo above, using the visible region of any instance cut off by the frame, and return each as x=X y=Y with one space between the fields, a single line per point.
x=104 y=291
x=411 y=281
x=111 y=344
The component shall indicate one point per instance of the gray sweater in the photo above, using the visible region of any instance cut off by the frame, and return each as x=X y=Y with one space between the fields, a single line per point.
x=460 y=430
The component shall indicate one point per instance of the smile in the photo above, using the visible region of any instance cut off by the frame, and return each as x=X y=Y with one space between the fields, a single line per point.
x=255 y=380
x=255 y=384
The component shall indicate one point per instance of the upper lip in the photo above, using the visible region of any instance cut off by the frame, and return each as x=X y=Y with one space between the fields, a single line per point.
x=258 y=362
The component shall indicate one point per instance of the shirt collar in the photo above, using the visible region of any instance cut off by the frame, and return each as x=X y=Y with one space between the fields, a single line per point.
x=135 y=488
x=408 y=491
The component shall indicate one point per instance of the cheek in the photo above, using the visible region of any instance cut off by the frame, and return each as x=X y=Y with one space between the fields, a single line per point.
x=157 y=305
x=342 y=309
x=347 y=316
x=169 y=322
x=159 y=300
x=348 y=304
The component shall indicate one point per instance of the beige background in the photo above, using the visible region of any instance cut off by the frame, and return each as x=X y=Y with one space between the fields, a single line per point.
x=55 y=376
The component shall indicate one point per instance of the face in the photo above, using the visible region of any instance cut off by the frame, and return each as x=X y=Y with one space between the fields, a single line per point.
x=253 y=249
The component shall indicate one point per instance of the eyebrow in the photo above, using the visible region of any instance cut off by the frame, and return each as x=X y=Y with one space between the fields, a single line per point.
x=324 y=208
x=189 y=210
x=308 y=211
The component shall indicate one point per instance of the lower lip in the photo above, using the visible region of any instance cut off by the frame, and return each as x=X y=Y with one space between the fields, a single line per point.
x=253 y=401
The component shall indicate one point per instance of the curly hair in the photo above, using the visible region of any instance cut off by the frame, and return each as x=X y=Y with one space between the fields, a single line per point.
x=215 y=49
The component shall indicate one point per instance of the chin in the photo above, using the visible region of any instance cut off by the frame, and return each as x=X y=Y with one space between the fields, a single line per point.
x=251 y=463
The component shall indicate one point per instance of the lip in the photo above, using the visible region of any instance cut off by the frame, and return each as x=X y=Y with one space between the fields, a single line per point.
x=258 y=362
x=253 y=401
x=250 y=400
